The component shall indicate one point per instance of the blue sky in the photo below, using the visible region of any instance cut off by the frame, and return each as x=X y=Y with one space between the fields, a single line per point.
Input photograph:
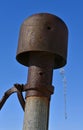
x=12 y=14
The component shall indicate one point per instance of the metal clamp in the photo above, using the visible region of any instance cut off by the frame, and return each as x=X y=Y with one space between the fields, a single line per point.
x=18 y=88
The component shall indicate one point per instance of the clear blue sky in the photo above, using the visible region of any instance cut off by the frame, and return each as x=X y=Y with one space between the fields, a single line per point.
x=12 y=14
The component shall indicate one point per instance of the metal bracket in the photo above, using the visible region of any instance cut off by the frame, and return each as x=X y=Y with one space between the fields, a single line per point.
x=18 y=88
x=32 y=91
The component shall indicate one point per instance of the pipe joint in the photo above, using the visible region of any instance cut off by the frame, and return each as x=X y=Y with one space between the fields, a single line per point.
x=39 y=91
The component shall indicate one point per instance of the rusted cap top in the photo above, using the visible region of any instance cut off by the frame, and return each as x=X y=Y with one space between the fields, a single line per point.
x=43 y=32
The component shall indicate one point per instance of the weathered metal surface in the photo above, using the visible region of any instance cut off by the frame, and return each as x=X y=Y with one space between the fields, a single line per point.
x=18 y=88
x=43 y=32
x=42 y=47
x=39 y=90
x=40 y=74
x=36 y=113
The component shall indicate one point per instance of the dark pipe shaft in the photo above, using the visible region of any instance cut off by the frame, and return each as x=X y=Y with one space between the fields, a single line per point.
x=40 y=72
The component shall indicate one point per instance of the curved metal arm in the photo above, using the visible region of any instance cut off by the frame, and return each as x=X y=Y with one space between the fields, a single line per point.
x=18 y=88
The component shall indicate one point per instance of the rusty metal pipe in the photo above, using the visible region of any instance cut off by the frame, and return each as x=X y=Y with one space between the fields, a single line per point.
x=42 y=47
x=40 y=73
x=39 y=91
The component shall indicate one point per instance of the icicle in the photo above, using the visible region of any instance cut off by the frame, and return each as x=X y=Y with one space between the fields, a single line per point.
x=62 y=72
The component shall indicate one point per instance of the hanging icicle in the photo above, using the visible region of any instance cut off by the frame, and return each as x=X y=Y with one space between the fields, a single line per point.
x=62 y=72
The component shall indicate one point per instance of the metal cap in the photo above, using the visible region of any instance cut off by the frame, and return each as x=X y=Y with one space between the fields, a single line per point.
x=43 y=32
